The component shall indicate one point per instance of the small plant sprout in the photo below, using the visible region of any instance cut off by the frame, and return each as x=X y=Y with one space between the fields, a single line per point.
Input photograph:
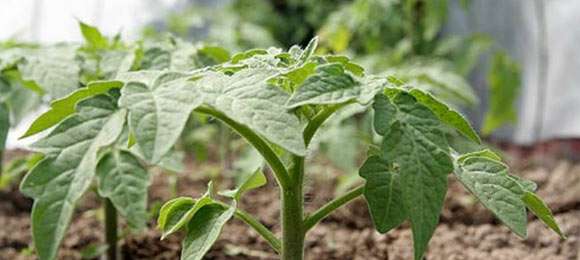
x=276 y=100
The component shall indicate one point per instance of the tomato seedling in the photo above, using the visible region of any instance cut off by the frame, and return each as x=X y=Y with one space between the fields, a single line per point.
x=277 y=101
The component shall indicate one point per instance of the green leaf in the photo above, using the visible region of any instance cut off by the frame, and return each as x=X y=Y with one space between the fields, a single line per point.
x=446 y=114
x=58 y=181
x=172 y=211
x=526 y=184
x=247 y=98
x=439 y=80
x=156 y=58
x=124 y=181
x=253 y=181
x=348 y=65
x=489 y=181
x=204 y=229
x=4 y=125
x=541 y=210
x=330 y=85
x=158 y=112
x=54 y=69
x=218 y=54
x=64 y=107
x=93 y=36
x=308 y=51
x=383 y=194
x=238 y=57
x=483 y=153
x=415 y=143
x=115 y=62
x=175 y=216
x=504 y=87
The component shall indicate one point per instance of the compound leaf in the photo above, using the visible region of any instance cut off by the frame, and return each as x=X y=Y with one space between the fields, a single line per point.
x=124 y=181
x=59 y=180
x=415 y=143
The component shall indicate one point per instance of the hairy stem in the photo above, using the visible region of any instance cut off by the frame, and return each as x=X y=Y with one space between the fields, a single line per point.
x=261 y=146
x=325 y=210
x=293 y=214
x=111 y=229
x=260 y=229
x=317 y=121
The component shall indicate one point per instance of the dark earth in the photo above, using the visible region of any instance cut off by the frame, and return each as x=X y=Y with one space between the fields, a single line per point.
x=466 y=231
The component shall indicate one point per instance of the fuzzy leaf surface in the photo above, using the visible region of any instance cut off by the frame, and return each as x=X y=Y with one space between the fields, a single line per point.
x=204 y=229
x=383 y=194
x=489 y=181
x=158 y=112
x=58 y=181
x=330 y=85
x=446 y=114
x=541 y=210
x=54 y=69
x=415 y=143
x=64 y=107
x=124 y=181
x=247 y=98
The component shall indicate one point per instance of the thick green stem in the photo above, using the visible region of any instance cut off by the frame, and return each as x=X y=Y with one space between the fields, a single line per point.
x=111 y=229
x=331 y=206
x=293 y=214
x=261 y=146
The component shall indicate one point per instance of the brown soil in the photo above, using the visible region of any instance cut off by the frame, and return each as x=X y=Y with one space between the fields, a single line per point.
x=467 y=231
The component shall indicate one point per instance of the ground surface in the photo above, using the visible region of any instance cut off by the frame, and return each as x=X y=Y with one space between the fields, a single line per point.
x=467 y=231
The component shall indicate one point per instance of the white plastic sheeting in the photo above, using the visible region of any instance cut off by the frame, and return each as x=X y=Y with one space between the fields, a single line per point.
x=544 y=36
x=51 y=21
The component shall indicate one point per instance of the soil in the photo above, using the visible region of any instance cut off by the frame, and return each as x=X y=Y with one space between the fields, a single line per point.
x=466 y=231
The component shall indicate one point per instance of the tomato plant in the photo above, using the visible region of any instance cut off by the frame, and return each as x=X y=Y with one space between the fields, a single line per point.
x=78 y=80
x=276 y=100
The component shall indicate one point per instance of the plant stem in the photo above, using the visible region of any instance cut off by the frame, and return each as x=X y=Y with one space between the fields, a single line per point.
x=325 y=210
x=111 y=229
x=1 y=161
x=257 y=226
x=261 y=229
x=293 y=214
x=317 y=121
x=261 y=146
